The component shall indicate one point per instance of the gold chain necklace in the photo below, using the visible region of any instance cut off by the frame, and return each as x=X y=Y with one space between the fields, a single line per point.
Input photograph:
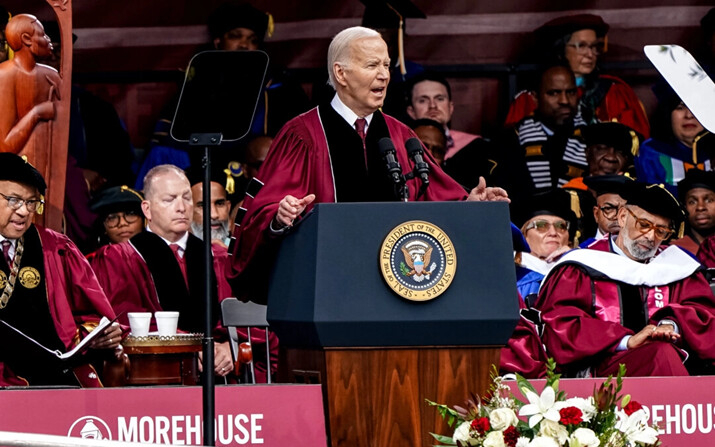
x=10 y=286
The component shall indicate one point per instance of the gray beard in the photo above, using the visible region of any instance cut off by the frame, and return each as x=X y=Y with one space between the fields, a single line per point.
x=220 y=233
x=636 y=251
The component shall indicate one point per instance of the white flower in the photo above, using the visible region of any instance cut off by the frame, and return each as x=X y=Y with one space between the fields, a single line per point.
x=554 y=430
x=635 y=427
x=583 y=437
x=543 y=441
x=462 y=433
x=501 y=418
x=494 y=439
x=540 y=407
x=522 y=441
x=587 y=407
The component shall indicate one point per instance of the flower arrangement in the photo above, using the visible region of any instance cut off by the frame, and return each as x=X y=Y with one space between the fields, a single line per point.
x=549 y=419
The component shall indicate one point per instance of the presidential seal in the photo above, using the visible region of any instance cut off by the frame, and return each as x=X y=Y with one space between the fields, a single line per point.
x=417 y=260
x=29 y=277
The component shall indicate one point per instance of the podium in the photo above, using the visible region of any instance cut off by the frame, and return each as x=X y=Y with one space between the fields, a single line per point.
x=377 y=354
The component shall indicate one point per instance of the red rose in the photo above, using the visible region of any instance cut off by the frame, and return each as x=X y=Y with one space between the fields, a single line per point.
x=511 y=435
x=632 y=407
x=480 y=425
x=570 y=416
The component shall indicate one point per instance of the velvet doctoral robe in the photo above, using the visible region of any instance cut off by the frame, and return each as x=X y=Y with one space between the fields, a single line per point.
x=135 y=282
x=301 y=162
x=75 y=298
x=593 y=298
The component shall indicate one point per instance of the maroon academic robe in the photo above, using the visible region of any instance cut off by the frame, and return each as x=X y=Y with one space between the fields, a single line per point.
x=129 y=283
x=298 y=163
x=581 y=309
x=524 y=354
x=706 y=252
x=76 y=300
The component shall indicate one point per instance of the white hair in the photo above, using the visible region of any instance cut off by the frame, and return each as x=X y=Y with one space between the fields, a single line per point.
x=339 y=50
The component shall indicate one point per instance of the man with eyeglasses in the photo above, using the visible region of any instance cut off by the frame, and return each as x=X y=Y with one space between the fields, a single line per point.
x=48 y=290
x=625 y=300
x=608 y=190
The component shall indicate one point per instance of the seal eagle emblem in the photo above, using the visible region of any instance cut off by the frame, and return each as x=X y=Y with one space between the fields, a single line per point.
x=418 y=260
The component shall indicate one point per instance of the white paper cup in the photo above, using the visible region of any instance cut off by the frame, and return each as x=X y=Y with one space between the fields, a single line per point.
x=166 y=322
x=139 y=323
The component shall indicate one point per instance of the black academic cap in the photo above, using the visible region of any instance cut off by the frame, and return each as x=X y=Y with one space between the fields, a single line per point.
x=52 y=29
x=386 y=13
x=696 y=178
x=14 y=168
x=557 y=28
x=619 y=136
x=707 y=23
x=555 y=203
x=116 y=198
x=607 y=184
x=225 y=175
x=230 y=16
x=654 y=199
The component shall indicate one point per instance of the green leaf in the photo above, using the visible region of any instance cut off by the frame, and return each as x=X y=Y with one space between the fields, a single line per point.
x=524 y=385
x=447 y=440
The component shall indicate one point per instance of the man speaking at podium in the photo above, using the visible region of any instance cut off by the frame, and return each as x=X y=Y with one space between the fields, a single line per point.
x=337 y=152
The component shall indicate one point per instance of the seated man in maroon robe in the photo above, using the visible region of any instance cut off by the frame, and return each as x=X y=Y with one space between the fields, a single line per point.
x=49 y=291
x=330 y=154
x=162 y=268
x=625 y=301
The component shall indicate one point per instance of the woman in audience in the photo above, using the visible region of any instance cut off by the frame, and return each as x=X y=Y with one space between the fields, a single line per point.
x=678 y=143
x=549 y=227
x=579 y=40
x=120 y=214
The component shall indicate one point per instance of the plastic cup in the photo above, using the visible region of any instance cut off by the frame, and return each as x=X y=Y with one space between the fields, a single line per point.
x=139 y=323
x=167 y=322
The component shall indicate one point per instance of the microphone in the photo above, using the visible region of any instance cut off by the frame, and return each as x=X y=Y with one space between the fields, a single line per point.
x=414 y=150
x=387 y=150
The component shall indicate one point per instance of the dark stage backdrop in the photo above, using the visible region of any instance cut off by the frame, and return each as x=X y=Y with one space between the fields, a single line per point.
x=130 y=51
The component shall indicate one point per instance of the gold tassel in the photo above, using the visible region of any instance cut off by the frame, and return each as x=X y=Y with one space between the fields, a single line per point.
x=230 y=182
x=400 y=41
x=695 y=146
x=634 y=143
x=271 y=25
x=40 y=206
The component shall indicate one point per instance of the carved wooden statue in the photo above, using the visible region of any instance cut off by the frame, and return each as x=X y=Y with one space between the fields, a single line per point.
x=34 y=118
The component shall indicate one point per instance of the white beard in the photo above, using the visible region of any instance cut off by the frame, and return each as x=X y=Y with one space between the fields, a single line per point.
x=636 y=251
x=220 y=233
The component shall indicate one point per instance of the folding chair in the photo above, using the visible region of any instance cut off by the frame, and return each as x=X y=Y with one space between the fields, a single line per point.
x=235 y=313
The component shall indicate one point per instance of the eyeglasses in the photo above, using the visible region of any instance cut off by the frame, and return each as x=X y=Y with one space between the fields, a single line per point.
x=583 y=47
x=609 y=211
x=112 y=220
x=32 y=205
x=644 y=226
x=542 y=226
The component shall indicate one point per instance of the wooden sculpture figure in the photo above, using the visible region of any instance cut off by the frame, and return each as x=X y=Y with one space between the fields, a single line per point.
x=28 y=92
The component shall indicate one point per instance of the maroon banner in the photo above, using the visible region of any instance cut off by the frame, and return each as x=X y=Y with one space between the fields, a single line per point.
x=682 y=407
x=245 y=415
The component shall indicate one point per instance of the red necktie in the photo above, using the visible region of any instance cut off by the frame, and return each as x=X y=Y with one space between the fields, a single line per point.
x=360 y=124
x=6 y=252
x=182 y=262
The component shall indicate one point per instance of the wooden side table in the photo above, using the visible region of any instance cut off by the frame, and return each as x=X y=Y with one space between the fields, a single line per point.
x=160 y=360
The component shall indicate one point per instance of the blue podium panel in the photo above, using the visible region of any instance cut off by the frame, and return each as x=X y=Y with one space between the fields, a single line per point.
x=327 y=288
